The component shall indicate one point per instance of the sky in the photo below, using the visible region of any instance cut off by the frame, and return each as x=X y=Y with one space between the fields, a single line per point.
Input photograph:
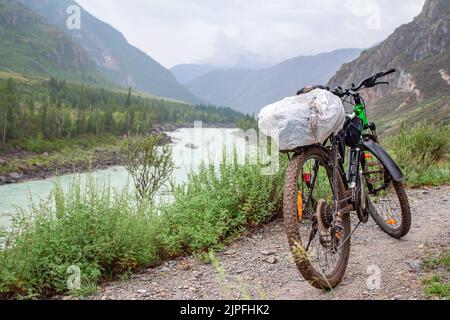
x=220 y=32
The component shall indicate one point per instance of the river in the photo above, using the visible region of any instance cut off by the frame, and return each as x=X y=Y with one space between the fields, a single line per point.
x=190 y=148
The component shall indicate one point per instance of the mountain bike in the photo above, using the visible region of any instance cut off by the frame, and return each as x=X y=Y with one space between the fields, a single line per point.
x=350 y=174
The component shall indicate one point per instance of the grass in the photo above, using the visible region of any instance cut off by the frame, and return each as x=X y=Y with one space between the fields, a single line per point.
x=213 y=208
x=101 y=232
x=41 y=145
x=423 y=154
x=437 y=285
x=431 y=262
x=106 y=233
x=51 y=154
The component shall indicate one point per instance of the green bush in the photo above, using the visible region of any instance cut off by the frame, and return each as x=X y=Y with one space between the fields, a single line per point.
x=106 y=232
x=422 y=153
x=214 y=207
x=101 y=232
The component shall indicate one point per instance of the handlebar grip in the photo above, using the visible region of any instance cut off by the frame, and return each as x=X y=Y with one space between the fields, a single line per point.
x=389 y=72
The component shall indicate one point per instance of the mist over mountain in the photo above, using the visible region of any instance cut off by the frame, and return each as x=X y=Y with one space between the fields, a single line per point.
x=186 y=73
x=250 y=90
x=119 y=61
x=420 y=51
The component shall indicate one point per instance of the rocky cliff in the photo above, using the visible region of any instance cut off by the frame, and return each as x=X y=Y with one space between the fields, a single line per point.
x=420 y=51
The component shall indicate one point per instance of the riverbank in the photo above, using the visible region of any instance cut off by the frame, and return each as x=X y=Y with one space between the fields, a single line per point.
x=19 y=165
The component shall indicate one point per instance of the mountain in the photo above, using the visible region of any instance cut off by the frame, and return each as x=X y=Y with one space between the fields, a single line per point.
x=250 y=90
x=420 y=50
x=121 y=62
x=185 y=73
x=243 y=60
x=30 y=45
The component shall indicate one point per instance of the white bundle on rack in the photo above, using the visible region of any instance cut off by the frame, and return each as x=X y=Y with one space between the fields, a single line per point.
x=303 y=120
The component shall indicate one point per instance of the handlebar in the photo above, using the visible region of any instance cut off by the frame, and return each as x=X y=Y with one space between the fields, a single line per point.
x=388 y=72
x=372 y=81
x=341 y=93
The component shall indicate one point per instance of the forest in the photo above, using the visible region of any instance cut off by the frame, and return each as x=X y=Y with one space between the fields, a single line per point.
x=55 y=109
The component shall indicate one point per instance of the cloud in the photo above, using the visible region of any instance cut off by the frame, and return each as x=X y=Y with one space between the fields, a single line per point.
x=187 y=31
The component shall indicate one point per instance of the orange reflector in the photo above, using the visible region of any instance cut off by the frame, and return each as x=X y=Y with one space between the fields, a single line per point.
x=338 y=235
x=367 y=156
x=300 y=206
x=391 y=222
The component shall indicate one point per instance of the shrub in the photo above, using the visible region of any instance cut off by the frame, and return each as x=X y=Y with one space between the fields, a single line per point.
x=214 y=207
x=101 y=232
x=422 y=152
x=106 y=232
x=149 y=164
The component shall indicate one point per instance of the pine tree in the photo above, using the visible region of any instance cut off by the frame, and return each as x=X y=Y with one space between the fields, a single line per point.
x=43 y=111
x=59 y=118
x=128 y=111
x=9 y=110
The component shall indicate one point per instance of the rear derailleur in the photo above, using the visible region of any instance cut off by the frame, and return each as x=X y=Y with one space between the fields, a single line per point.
x=330 y=227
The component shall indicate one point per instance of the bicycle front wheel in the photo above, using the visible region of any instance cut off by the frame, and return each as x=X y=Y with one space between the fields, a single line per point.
x=387 y=200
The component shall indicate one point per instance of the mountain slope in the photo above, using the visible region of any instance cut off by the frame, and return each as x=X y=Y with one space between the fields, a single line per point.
x=30 y=45
x=121 y=62
x=420 y=50
x=185 y=73
x=250 y=90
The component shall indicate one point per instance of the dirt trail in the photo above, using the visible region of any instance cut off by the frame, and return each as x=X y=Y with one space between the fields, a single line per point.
x=260 y=266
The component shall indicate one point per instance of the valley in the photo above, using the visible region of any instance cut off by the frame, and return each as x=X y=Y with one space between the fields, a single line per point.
x=80 y=113
x=53 y=126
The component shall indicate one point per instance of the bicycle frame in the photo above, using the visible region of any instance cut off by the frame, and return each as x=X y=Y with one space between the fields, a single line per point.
x=352 y=175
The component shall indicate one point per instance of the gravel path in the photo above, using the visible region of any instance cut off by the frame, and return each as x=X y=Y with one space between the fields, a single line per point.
x=260 y=266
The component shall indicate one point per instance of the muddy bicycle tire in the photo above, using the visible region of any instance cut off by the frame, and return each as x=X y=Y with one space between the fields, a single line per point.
x=292 y=223
x=405 y=224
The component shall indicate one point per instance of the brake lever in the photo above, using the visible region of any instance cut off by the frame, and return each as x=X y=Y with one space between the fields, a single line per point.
x=371 y=84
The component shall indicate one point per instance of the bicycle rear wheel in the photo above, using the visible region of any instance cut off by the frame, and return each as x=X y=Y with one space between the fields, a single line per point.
x=320 y=249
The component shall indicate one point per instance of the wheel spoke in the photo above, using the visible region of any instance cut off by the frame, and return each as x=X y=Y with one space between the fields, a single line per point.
x=390 y=207
x=310 y=221
x=315 y=183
